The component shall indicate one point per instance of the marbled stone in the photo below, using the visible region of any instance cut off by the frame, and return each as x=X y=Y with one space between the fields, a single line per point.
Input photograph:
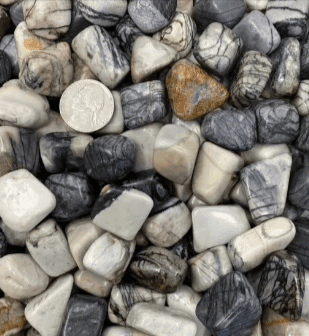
x=81 y=70
x=192 y=92
x=258 y=33
x=282 y=284
x=251 y=78
x=121 y=211
x=74 y=194
x=207 y=11
x=161 y=321
x=158 y=269
x=5 y=22
x=184 y=247
x=109 y=158
x=8 y=44
x=106 y=13
x=179 y=34
x=125 y=296
x=230 y=307
x=151 y=16
x=193 y=125
x=215 y=173
x=208 y=267
x=98 y=50
x=122 y=331
x=256 y=5
x=47 y=19
x=217 y=49
x=301 y=99
x=250 y=249
x=49 y=247
x=302 y=142
x=262 y=152
x=85 y=315
x=46 y=311
x=217 y=225
x=16 y=12
x=238 y=195
x=109 y=257
x=21 y=277
x=5 y=67
x=13 y=237
x=175 y=153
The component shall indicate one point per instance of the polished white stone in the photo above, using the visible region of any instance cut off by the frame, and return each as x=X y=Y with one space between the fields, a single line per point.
x=183 y=191
x=122 y=331
x=257 y=330
x=194 y=202
x=13 y=237
x=185 y=6
x=238 y=194
x=256 y=4
x=301 y=100
x=81 y=69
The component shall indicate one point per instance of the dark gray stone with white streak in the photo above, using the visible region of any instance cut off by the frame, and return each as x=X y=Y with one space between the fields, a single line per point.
x=302 y=141
x=8 y=45
x=304 y=60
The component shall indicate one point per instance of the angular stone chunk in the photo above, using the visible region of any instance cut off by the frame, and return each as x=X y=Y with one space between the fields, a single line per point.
x=215 y=173
x=239 y=310
x=217 y=225
x=262 y=152
x=192 y=92
x=24 y=200
x=97 y=49
x=158 y=269
x=258 y=33
x=175 y=153
x=301 y=99
x=45 y=312
x=161 y=321
x=21 y=277
x=121 y=211
x=250 y=249
x=109 y=257
x=251 y=79
x=125 y=296
x=8 y=44
x=5 y=22
x=168 y=223
x=208 y=267
x=266 y=184
x=282 y=284
x=302 y=141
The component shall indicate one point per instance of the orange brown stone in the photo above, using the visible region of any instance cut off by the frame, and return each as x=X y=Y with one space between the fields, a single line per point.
x=33 y=44
x=192 y=91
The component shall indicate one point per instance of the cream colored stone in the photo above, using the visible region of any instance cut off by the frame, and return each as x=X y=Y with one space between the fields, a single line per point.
x=183 y=191
x=257 y=330
x=13 y=237
x=185 y=6
x=194 y=202
x=81 y=69
x=122 y=331
x=238 y=194
x=256 y=5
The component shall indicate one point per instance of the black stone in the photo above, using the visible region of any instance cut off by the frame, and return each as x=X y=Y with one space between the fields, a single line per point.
x=74 y=195
x=184 y=247
x=302 y=142
x=5 y=67
x=85 y=316
x=109 y=158
x=3 y=244
x=230 y=307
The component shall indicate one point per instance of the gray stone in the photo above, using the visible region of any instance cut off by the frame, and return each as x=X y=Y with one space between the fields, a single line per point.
x=16 y=12
x=8 y=45
x=302 y=141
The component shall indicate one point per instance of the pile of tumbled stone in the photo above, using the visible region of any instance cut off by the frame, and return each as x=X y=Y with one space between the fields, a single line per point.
x=171 y=198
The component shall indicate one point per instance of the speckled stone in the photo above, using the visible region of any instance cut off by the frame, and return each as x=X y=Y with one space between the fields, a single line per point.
x=302 y=141
x=5 y=22
x=192 y=91
x=8 y=44
x=301 y=99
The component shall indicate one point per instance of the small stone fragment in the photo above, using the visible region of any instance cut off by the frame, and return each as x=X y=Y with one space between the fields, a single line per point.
x=194 y=202
x=13 y=237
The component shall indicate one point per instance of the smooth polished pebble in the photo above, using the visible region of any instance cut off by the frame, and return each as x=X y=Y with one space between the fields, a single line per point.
x=13 y=237
x=257 y=330
x=185 y=6
x=121 y=211
x=109 y=257
x=183 y=191
x=301 y=99
x=304 y=61
x=238 y=195
x=250 y=249
x=217 y=225
x=207 y=267
x=214 y=173
x=5 y=22
x=125 y=296
x=160 y=321
x=256 y=5
x=8 y=44
x=122 y=331
x=194 y=202
x=21 y=277
x=46 y=311
x=81 y=69
x=49 y=247
x=258 y=33
x=302 y=141
x=162 y=274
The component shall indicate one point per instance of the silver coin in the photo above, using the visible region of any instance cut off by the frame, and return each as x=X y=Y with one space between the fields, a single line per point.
x=87 y=105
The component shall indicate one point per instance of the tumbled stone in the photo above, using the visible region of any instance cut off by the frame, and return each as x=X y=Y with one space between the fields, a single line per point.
x=13 y=237
x=8 y=44
x=81 y=69
x=239 y=310
x=262 y=152
x=301 y=99
x=193 y=125
x=183 y=191
x=5 y=22
x=302 y=141
x=122 y=331
x=266 y=238
x=304 y=60
x=184 y=247
x=194 y=202
x=192 y=92
x=256 y=4
x=238 y=195
x=158 y=269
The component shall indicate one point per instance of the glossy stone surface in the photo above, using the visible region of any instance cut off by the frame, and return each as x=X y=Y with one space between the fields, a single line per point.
x=85 y=315
x=256 y=4
x=233 y=130
x=151 y=16
x=194 y=202
x=13 y=237
x=7 y=44
x=5 y=67
x=192 y=92
x=5 y=22
x=240 y=309
x=301 y=99
x=122 y=331
x=81 y=69
x=238 y=195
x=258 y=33
x=268 y=237
x=304 y=60
x=162 y=274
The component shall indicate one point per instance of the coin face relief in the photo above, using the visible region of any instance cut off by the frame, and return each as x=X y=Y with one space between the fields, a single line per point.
x=87 y=105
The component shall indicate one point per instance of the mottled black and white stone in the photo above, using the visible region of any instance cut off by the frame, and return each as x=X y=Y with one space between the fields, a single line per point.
x=74 y=195
x=277 y=121
x=234 y=130
x=217 y=49
x=289 y=17
x=184 y=247
x=158 y=269
x=258 y=33
x=251 y=78
x=227 y=12
x=301 y=99
x=85 y=315
x=143 y=103
x=8 y=45
x=5 y=67
x=302 y=141
x=304 y=59
x=16 y=12
x=266 y=184
x=63 y=152
x=109 y=158
x=282 y=284
x=152 y=15
x=230 y=307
